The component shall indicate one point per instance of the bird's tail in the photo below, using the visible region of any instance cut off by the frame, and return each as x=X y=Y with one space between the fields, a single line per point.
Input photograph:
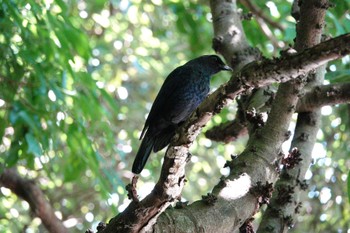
x=163 y=139
x=143 y=153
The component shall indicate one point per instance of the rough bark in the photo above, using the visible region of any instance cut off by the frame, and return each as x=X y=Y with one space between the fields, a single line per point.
x=284 y=205
x=229 y=38
x=230 y=41
x=228 y=131
x=319 y=96
x=143 y=214
x=324 y=95
x=30 y=192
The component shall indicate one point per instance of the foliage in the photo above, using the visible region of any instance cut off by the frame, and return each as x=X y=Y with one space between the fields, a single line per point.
x=78 y=77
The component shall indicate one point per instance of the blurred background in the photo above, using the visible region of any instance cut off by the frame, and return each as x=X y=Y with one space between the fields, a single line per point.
x=77 y=79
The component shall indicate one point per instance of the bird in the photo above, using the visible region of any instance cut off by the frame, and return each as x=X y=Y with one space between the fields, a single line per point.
x=181 y=93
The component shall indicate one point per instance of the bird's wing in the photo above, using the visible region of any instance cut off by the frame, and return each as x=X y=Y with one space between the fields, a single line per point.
x=177 y=78
x=191 y=89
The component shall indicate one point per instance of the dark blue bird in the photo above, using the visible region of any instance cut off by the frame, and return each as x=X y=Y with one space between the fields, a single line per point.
x=181 y=93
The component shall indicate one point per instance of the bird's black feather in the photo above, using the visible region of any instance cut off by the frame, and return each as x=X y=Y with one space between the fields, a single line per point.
x=181 y=93
x=143 y=153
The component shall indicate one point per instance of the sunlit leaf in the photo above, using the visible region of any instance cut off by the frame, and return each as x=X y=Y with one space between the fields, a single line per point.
x=33 y=145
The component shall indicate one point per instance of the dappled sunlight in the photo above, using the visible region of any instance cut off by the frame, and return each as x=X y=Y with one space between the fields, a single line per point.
x=78 y=80
x=145 y=189
x=318 y=151
x=236 y=188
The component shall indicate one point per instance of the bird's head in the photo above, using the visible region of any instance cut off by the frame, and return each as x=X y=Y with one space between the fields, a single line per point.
x=211 y=63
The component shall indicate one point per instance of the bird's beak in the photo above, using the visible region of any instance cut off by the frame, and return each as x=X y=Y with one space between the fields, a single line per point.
x=226 y=67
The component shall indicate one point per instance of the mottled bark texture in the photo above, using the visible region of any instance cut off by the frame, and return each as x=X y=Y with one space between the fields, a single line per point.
x=279 y=216
x=235 y=198
x=313 y=99
x=324 y=95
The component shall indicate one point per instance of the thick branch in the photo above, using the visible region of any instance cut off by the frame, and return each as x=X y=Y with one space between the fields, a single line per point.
x=30 y=192
x=289 y=67
x=246 y=174
x=142 y=215
x=228 y=131
x=314 y=99
x=229 y=39
x=324 y=95
x=286 y=198
x=256 y=74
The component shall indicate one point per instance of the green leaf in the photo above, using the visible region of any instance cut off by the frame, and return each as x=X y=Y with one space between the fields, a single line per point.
x=12 y=155
x=3 y=125
x=62 y=5
x=78 y=41
x=29 y=120
x=11 y=159
x=72 y=172
x=338 y=76
x=33 y=145
x=112 y=103
x=339 y=28
x=349 y=186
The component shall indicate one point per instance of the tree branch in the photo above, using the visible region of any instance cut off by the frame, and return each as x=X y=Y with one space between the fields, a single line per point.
x=260 y=14
x=30 y=192
x=230 y=40
x=285 y=201
x=317 y=97
x=324 y=95
x=257 y=74
x=228 y=131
